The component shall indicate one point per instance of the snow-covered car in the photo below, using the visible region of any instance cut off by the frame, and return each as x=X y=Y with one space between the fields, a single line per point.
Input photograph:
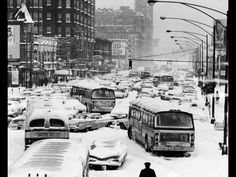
x=190 y=96
x=188 y=89
x=163 y=87
x=9 y=119
x=109 y=153
x=17 y=122
x=121 y=94
x=73 y=107
x=89 y=121
x=120 y=120
x=14 y=108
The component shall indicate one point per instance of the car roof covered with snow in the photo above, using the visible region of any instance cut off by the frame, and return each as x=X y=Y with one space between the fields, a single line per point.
x=155 y=105
x=54 y=157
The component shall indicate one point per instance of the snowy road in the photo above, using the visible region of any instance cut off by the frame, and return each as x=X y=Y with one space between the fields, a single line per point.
x=205 y=161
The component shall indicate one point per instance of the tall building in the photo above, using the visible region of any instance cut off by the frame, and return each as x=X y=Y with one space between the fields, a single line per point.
x=130 y=30
x=70 y=21
x=147 y=11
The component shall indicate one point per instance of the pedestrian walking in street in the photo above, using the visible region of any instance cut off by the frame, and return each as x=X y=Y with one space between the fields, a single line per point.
x=217 y=97
x=147 y=171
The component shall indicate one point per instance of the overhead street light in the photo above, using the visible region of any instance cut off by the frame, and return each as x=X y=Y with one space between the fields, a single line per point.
x=194 y=6
x=193 y=22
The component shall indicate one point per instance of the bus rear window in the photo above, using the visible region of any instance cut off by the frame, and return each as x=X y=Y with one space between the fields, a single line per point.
x=103 y=93
x=56 y=123
x=174 y=119
x=37 y=123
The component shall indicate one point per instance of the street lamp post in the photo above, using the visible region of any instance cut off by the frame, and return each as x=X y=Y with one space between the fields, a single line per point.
x=152 y=2
x=194 y=35
x=197 y=50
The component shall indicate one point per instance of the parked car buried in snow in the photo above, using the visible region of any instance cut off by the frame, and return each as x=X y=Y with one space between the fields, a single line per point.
x=17 y=122
x=89 y=121
x=109 y=153
x=14 y=108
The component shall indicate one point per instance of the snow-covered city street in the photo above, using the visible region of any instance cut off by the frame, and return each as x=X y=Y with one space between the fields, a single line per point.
x=118 y=88
x=205 y=161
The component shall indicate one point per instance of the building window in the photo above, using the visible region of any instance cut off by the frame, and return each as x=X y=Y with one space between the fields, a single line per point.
x=67 y=17
x=67 y=3
x=59 y=16
x=49 y=29
x=18 y=3
x=59 y=31
x=10 y=14
x=40 y=16
x=67 y=31
x=40 y=30
x=75 y=4
x=59 y=3
x=40 y=3
x=35 y=16
x=49 y=16
x=36 y=30
x=10 y=3
x=35 y=3
x=49 y=2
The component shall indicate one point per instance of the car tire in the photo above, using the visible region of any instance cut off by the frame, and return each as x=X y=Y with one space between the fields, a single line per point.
x=88 y=129
x=130 y=132
x=122 y=126
x=108 y=124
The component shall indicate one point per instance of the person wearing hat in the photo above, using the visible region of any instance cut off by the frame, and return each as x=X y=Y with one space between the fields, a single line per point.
x=147 y=171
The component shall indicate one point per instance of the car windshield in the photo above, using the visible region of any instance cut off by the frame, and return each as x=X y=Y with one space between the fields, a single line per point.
x=174 y=119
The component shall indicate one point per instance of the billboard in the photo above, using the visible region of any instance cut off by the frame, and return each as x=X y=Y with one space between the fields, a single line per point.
x=13 y=41
x=118 y=48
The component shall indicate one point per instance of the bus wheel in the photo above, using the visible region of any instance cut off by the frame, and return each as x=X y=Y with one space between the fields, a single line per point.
x=122 y=126
x=147 y=148
x=130 y=132
x=88 y=129
x=108 y=124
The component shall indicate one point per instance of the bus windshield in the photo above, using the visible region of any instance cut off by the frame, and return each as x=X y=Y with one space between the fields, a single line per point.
x=167 y=79
x=103 y=93
x=174 y=119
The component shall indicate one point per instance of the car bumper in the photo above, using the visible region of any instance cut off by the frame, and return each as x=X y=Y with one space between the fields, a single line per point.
x=173 y=148
x=104 y=163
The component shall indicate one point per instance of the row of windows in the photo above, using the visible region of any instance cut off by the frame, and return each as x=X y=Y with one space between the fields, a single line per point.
x=39 y=4
x=146 y=117
x=79 y=18
x=80 y=91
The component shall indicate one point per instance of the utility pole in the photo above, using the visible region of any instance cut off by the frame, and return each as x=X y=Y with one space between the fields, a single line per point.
x=213 y=75
x=206 y=55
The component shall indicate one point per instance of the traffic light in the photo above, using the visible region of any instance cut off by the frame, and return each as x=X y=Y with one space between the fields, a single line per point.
x=130 y=64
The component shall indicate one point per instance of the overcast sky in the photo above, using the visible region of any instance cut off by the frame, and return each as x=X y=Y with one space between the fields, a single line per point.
x=177 y=11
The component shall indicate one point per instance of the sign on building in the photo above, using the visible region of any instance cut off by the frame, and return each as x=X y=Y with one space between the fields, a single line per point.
x=118 y=48
x=15 y=77
x=220 y=33
x=14 y=41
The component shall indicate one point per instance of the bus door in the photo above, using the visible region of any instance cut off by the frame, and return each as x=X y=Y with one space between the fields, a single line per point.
x=137 y=125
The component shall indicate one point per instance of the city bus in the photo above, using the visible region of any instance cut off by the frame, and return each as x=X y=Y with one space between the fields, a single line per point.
x=52 y=157
x=167 y=79
x=45 y=120
x=95 y=97
x=159 y=127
